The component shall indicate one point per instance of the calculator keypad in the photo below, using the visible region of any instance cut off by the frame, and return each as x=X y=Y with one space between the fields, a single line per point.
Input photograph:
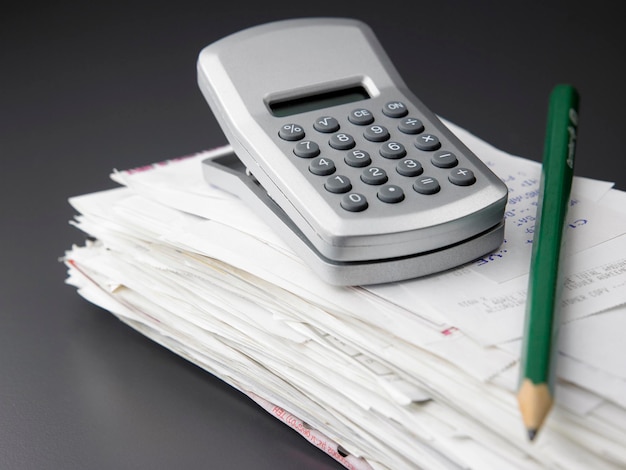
x=366 y=144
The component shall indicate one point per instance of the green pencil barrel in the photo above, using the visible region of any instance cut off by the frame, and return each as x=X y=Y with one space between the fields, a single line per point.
x=542 y=305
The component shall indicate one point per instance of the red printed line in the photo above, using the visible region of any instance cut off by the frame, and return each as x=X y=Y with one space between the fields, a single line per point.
x=310 y=435
x=449 y=331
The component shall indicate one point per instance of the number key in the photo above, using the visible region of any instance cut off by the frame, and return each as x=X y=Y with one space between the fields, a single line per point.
x=393 y=150
x=358 y=158
x=354 y=202
x=306 y=149
x=374 y=175
x=338 y=184
x=409 y=167
x=322 y=166
x=341 y=141
x=376 y=133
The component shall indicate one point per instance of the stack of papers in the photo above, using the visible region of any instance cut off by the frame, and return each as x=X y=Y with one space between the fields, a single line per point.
x=416 y=374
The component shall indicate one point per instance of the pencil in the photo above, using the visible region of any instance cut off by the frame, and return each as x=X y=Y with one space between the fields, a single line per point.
x=537 y=362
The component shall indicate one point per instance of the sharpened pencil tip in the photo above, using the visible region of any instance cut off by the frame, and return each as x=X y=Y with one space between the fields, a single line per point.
x=535 y=401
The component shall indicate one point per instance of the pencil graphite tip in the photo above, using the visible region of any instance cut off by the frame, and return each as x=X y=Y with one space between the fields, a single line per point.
x=535 y=401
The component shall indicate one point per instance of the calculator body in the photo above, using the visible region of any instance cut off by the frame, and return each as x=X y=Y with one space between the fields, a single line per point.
x=362 y=170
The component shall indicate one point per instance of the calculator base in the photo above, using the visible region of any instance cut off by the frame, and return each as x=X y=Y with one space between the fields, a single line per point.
x=225 y=171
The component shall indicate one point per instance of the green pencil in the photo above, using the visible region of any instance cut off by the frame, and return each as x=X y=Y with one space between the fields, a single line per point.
x=536 y=387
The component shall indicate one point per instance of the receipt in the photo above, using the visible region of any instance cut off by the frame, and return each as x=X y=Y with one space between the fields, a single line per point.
x=493 y=313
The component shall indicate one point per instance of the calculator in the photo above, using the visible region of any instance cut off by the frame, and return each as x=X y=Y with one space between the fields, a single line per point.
x=342 y=160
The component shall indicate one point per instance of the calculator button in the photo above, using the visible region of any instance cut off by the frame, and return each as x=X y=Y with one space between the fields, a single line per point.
x=322 y=166
x=338 y=184
x=410 y=125
x=444 y=159
x=462 y=177
x=393 y=150
x=376 y=133
x=306 y=149
x=326 y=124
x=426 y=185
x=341 y=141
x=354 y=202
x=427 y=142
x=358 y=158
x=374 y=175
x=361 y=117
x=409 y=167
x=291 y=132
x=395 y=109
x=391 y=193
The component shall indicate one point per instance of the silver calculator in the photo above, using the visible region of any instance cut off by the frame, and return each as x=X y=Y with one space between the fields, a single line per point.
x=329 y=145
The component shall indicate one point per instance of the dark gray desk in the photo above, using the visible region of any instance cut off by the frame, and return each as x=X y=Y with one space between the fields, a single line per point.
x=87 y=89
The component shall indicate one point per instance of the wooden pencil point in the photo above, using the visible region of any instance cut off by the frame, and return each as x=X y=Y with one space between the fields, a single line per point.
x=535 y=402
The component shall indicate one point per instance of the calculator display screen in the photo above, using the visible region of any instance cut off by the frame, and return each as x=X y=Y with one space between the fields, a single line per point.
x=318 y=101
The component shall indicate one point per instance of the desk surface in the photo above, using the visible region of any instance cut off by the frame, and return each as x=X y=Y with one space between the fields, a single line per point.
x=88 y=89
